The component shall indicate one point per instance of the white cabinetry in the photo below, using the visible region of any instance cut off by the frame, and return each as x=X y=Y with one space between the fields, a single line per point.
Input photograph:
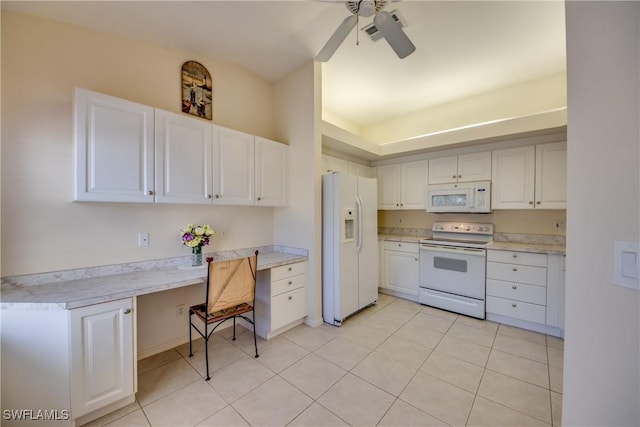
x=272 y=173
x=462 y=168
x=114 y=143
x=525 y=290
x=402 y=186
x=336 y=164
x=80 y=361
x=530 y=177
x=234 y=170
x=122 y=146
x=102 y=360
x=281 y=299
x=401 y=267
x=183 y=159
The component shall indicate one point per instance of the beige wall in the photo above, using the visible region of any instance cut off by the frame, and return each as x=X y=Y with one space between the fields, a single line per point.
x=42 y=229
x=602 y=347
x=504 y=221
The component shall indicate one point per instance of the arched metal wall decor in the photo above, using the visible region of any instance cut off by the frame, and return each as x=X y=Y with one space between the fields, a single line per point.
x=197 y=90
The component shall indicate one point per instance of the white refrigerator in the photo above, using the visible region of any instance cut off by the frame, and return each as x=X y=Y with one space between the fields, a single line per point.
x=349 y=245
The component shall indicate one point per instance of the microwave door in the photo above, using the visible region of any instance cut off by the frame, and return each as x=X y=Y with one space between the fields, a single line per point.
x=460 y=200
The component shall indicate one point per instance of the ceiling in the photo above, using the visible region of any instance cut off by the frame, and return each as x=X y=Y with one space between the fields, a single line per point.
x=463 y=48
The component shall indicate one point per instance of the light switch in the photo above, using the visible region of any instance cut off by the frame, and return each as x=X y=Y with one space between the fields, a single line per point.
x=626 y=264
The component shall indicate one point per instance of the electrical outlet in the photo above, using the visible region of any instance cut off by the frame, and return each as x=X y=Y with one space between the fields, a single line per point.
x=222 y=235
x=143 y=239
x=180 y=309
x=558 y=225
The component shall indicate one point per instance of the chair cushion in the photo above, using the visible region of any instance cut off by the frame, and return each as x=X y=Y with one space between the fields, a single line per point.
x=200 y=311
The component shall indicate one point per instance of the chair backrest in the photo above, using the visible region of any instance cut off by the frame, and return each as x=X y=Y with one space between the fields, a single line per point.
x=231 y=283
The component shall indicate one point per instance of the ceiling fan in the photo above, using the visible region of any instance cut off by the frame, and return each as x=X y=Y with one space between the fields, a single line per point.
x=387 y=23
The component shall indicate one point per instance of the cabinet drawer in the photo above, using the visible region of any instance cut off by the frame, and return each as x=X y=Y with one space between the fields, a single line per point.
x=516 y=291
x=514 y=257
x=517 y=273
x=289 y=270
x=288 y=284
x=516 y=309
x=288 y=307
x=391 y=245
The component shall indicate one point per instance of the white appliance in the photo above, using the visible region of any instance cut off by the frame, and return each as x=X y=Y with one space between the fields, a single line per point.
x=471 y=197
x=349 y=245
x=453 y=265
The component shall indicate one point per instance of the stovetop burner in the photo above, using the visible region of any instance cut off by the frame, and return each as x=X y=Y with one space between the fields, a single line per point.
x=461 y=234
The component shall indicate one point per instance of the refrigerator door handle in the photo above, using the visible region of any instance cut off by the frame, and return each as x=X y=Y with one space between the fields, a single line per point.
x=359 y=219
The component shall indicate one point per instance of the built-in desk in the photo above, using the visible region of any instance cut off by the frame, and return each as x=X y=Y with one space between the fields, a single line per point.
x=69 y=338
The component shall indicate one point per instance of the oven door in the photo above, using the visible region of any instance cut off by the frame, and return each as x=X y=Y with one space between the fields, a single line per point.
x=455 y=270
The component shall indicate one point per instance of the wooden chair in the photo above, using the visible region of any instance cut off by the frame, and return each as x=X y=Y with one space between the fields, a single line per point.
x=230 y=293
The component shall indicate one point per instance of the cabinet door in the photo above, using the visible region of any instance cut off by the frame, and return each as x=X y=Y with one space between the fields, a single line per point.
x=233 y=163
x=272 y=173
x=389 y=187
x=443 y=170
x=358 y=170
x=402 y=272
x=101 y=355
x=551 y=176
x=513 y=178
x=474 y=167
x=113 y=149
x=183 y=159
x=334 y=164
x=413 y=179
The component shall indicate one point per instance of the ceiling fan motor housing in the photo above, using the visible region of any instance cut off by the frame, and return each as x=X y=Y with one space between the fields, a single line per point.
x=366 y=8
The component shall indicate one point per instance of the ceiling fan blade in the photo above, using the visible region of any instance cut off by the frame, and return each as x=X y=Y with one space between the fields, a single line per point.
x=392 y=32
x=337 y=38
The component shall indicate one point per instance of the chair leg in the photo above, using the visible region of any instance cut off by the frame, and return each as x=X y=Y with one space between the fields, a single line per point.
x=190 y=347
x=255 y=340
x=234 y=329
x=206 y=349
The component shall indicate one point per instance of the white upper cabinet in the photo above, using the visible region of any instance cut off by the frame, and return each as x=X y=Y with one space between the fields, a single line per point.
x=402 y=186
x=114 y=149
x=551 y=176
x=233 y=159
x=272 y=173
x=530 y=177
x=462 y=168
x=183 y=159
x=336 y=164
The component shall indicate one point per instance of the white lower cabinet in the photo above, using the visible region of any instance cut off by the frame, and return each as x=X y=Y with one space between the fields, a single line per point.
x=78 y=362
x=401 y=268
x=102 y=359
x=525 y=290
x=281 y=298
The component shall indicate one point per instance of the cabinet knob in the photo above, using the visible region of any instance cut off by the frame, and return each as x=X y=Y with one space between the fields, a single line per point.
x=127 y=310
x=209 y=196
x=290 y=283
x=515 y=255
x=530 y=202
x=259 y=198
x=459 y=176
x=290 y=297
x=150 y=193
x=538 y=202
x=399 y=245
x=290 y=269
x=514 y=305
x=217 y=196
x=514 y=269
x=415 y=259
x=514 y=287
x=453 y=176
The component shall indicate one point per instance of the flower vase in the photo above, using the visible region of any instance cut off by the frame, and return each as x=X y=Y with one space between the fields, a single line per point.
x=196 y=256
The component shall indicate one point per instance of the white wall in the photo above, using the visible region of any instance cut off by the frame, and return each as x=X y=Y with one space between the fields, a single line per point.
x=42 y=229
x=297 y=115
x=602 y=347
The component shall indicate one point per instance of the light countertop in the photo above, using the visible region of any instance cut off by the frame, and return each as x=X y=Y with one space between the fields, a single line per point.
x=83 y=291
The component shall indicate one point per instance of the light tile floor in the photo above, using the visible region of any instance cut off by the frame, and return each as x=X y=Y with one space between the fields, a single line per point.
x=397 y=363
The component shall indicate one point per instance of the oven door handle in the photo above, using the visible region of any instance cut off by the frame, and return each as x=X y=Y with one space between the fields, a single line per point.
x=451 y=250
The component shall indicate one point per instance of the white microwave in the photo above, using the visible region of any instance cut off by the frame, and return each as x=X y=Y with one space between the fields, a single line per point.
x=464 y=197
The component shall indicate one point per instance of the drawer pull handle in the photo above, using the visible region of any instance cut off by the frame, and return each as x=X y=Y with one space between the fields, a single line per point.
x=290 y=297
x=513 y=305
x=514 y=269
x=127 y=310
x=513 y=287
